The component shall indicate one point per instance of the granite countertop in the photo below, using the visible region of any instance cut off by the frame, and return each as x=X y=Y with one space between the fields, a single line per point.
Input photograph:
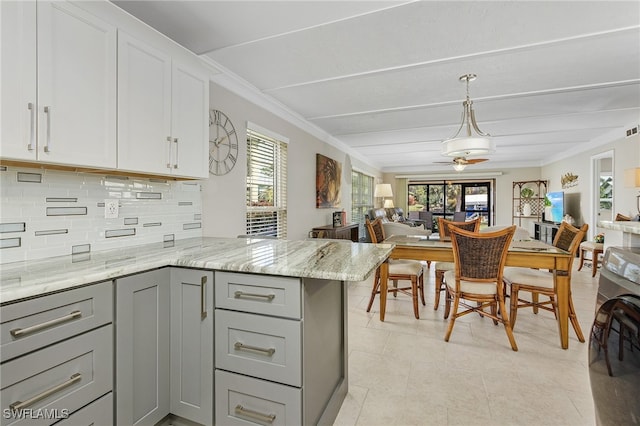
x=632 y=227
x=321 y=259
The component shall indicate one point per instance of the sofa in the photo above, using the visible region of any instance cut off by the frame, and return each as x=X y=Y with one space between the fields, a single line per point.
x=394 y=222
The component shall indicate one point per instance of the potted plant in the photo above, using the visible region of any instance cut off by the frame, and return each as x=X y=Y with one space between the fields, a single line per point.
x=526 y=193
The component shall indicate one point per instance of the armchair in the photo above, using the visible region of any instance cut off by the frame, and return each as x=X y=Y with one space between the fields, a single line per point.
x=395 y=223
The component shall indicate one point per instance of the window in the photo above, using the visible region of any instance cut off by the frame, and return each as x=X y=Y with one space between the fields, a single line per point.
x=266 y=185
x=361 y=198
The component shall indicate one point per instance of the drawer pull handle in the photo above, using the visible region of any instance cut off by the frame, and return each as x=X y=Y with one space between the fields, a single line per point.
x=19 y=405
x=239 y=294
x=203 y=297
x=17 y=332
x=242 y=347
x=269 y=418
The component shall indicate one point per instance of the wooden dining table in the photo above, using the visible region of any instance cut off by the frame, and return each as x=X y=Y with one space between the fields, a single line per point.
x=524 y=253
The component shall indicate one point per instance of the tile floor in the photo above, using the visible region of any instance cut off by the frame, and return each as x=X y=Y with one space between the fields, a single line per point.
x=402 y=372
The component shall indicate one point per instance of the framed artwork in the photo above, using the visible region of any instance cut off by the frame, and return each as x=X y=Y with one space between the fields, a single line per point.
x=328 y=178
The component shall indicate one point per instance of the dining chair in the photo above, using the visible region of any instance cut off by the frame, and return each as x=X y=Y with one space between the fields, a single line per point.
x=399 y=270
x=479 y=260
x=427 y=217
x=539 y=282
x=442 y=267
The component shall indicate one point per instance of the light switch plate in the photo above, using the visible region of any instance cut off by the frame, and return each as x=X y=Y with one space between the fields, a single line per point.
x=111 y=209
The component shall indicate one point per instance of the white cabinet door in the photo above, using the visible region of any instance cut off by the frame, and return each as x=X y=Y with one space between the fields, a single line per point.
x=18 y=80
x=192 y=314
x=142 y=348
x=144 y=107
x=190 y=121
x=76 y=87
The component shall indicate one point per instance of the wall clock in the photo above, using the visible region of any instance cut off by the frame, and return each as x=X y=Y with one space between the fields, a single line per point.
x=223 y=143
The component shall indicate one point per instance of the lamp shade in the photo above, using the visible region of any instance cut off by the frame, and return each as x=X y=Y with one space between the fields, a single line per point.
x=383 y=190
x=467 y=146
x=632 y=178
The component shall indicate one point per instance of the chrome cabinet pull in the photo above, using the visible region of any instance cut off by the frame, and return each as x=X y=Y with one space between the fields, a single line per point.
x=242 y=347
x=47 y=111
x=19 y=405
x=169 y=152
x=17 y=332
x=203 y=298
x=269 y=418
x=175 y=140
x=238 y=294
x=32 y=125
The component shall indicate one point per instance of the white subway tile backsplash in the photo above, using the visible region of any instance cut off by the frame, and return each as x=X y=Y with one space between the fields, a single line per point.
x=167 y=209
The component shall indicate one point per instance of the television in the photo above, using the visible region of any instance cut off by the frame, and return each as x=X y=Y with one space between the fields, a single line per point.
x=556 y=211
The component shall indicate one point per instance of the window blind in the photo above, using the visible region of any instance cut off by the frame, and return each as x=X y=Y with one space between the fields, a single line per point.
x=361 y=198
x=266 y=185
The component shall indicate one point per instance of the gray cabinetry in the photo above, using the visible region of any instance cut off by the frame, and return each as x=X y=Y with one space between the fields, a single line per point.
x=57 y=357
x=280 y=349
x=142 y=348
x=192 y=344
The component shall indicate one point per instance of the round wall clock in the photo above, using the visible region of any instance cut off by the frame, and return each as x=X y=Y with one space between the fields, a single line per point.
x=223 y=143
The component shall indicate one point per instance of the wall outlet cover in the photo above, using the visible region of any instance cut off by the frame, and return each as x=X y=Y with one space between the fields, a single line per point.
x=111 y=209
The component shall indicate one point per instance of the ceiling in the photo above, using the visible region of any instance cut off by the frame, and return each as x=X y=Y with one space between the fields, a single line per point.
x=554 y=78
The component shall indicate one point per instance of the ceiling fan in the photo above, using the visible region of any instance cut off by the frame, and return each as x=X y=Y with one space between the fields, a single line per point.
x=459 y=163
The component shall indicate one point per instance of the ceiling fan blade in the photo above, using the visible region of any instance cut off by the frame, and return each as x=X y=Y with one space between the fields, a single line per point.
x=476 y=160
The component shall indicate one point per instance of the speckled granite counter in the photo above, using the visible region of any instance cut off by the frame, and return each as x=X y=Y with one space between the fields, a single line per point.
x=625 y=234
x=321 y=259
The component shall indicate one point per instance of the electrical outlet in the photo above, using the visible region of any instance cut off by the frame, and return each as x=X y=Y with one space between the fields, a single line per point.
x=111 y=209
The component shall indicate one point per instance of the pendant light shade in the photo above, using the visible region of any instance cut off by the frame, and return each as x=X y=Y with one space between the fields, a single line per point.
x=468 y=140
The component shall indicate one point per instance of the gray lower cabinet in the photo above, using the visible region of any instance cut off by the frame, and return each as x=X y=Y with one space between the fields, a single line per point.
x=192 y=314
x=142 y=348
x=280 y=349
x=58 y=358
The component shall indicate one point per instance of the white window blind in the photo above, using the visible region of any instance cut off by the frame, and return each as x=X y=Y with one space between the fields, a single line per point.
x=361 y=198
x=266 y=185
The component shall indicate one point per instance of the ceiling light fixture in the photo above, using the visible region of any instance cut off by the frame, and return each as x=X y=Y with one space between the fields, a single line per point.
x=458 y=167
x=469 y=143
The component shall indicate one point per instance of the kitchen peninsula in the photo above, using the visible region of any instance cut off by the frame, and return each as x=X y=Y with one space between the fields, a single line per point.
x=276 y=310
x=621 y=233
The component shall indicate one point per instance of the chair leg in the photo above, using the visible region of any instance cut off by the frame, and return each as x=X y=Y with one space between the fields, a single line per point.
x=395 y=285
x=438 y=285
x=513 y=313
x=447 y=303
x=574 y=320
x=508 y=325
x=421 y=285
x=494 y=312
x=535 y=298
x=428 y=264
x=414 y=296
x=452 y=320
x=376 y=286
x=581 y=259
x=594 y=262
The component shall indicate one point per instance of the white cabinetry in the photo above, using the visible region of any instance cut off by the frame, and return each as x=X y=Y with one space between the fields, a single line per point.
x=192 y=345
x=142 y=348
x=162 y=112
x=57 y=358
x=62 y=111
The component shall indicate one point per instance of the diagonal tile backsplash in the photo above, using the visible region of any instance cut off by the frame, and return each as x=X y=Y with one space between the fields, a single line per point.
x=46 y=213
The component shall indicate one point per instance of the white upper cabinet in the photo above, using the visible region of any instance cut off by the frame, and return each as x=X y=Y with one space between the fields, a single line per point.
x=162 y=112
x=72 y=120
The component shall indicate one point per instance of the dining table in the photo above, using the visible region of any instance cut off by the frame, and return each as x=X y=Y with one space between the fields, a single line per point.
x=526 y=253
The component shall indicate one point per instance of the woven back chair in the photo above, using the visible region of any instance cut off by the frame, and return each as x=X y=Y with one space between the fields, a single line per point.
x=399 y=270
x=479 y=260
x=622 y=218
x=442 y=267
x=539 y=282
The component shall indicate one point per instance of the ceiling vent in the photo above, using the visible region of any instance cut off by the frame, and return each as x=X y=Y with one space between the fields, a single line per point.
x=632 y=131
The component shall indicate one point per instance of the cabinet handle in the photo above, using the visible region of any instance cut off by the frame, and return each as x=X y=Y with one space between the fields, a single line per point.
x=175 y=140
x=17 y=332
x=169 y=152
x=242 y=347
x=269 y=418
x=239 y=294
x=203 y=298
x=19 y=405
x=47 y=111
x=32 y=125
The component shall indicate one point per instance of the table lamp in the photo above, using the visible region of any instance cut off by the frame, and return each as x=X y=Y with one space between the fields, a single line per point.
x=383 y=190
x=632 y=180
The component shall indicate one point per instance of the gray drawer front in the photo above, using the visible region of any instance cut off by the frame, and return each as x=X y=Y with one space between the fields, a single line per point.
x=242 y=400
x=259 y=346
x=90 y=355
x=98 y=413
x=261 y=294
x=53 y=318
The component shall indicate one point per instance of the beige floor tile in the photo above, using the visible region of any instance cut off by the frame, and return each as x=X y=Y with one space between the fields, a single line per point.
x=402 y=372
